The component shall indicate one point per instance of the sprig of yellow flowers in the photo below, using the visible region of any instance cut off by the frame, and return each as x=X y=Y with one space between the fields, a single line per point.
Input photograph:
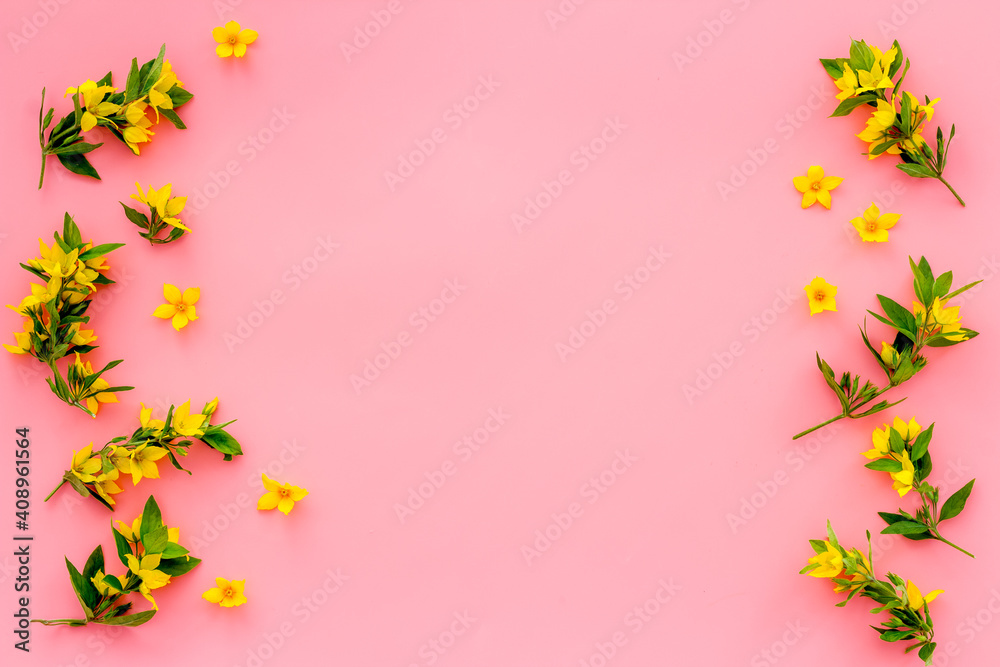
x=930 y=324
x=54 y=315
x=163 y=214
x=901 y=451
x=152 y=555
x=852 y=573
x=897 y=120
x=96 y=474
x=152 y=92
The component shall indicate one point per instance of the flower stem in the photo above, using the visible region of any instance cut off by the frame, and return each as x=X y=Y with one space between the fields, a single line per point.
x=817 y=427
x=54 y=491
x=937 y=535
x=948 y=185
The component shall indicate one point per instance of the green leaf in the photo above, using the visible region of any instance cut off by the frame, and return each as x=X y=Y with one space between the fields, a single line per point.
x=891 y=518
x=99 y=250
x=132 y=82
x=173 y=550
x=112 y=581
x=897 y=62
x=927 y=653
x=94 y=564
x=885 y=465
x=79 y=147
x=818 y=546
x=129 y=620
x=79 y=586
x=48 y=119
x=156 y=540
x=960 y=290
x=904 y=528
x=78 y=164
x=223 y=442
x=122 y=545
x=175 y=567
x=956 y=503
x=900 y=316
x=179 y=96
x=172 y=116
x=71 y=233
x=942 y=284
x=852 y=103
x=151 y=518
x=921 y=443
x=861 y=55
x=916 y=170
x=833 y=67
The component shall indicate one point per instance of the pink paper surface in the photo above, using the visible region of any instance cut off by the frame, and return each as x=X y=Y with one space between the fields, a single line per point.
x=525 y=375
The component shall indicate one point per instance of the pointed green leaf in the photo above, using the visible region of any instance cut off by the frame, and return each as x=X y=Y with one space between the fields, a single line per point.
x=151 y=518
x=904 y=528
x=885 y=465
x=852 y=103
x=956 y=503
x=78 y=164
x=900 y=316
x=921 y=443
x=129 y=620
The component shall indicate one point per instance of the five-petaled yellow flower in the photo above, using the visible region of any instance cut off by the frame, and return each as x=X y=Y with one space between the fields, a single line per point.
x=874 y=227
x=908 y=431
x=915 y=600
x=94 y=402
x=822 y=296
x=282 y=496
x=830 y=562
x=179 y=307
x=815 y=187
x=188 y=424
x=166 y=207
x=902 y=481
x=226 y=593
x=947 y=319
x=143 y=462
x=232 y=41
x=150 y=577
x=94 y=109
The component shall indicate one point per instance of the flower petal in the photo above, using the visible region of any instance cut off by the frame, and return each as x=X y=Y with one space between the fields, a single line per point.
x=191 y=295
x=285 y=505
x=830 y=182
x=239 y=50
x=815 y=173
x=823 y=197
x=801 y=183
x=219 y=34
x=268 y=501
x=180 y=321
x=213 y=595
x=165 y=311
x=171 y=293
x=247 y=36
x=808 y=198
x=224 y=50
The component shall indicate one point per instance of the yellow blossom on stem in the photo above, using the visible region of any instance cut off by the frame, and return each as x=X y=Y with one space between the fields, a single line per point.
x=822 y=296
x=187 y=424
x=890 y=355
x=830 y=562
x=180 y=308
x=947 y=319
x=85 y=465
x=815 y=187
x=908 y=431
x=914 y=598
x=154 y=425
x=282 y=496
x=90 y=103
x=150 y=578
x=226 y=593
x=902 y=481
x=106 y=485
x=231 y=40
x=143 y=462
x=874 y=227
x=166 y=207
x=94 y=402
x=23 y=339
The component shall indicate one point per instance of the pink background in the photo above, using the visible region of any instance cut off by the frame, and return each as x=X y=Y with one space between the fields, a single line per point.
x=328 y=129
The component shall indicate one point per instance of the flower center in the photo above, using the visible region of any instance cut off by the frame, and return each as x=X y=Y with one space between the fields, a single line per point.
x=181 y=307
x=820 y=295
x=229 y=592
x=232 y=39
x=871 y=226
x=284 y=493
x=817 y=186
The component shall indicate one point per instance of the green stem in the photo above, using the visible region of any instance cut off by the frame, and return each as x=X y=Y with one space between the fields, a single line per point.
x=817 y=427
x=948 y=185
x=54 y=491
x=937 y=536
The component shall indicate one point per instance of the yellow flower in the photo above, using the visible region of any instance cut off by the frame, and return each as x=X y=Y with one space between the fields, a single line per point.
x=121 y=457
x=903 y=480
x=210 y=407
x=23 y=339
x=103 y=588
x=848 y=83
x=815 y=187
x=822 y=296
x=874 y=227
x=85 y=465
x=908 y=431
x=226 y=593
x=39 y=295
x=282 y=496
x=94 y=402
x=106 y=486
x=831 y=562
x=137 y=131
x=915 y=600
x=180 y=308
x=166 y=207
x=187 y=424
x=890 y=355
x=143 y=462
x=877 y=77
x=134 y=535
x=158 y=97
x=860 y=574
x=231 y=40
x=154 y=425
x=875 y=134
x=90 y=102
x=149 y=576
x=81 y=336
x=947 y=319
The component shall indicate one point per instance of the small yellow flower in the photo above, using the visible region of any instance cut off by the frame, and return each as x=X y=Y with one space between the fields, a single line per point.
x=137 y=131
x=874 y=227
x=915 y=600
x=187 y=424
x=106 y=485
x=23 y=339
x=908 y=431
x=947 y=319
x=859 y=575
x=90 y=102
x=282 y=496
x=902 y=481
x=831 y=562
x=226 y=593
x=890 y=355
x=85 y=465
x=815 y=187
x=143 y=462
x=166 y=207
x=154 y=425
x=150 y=577
x=822 y=296
x=134 y=535
x=179 y=308
x=103 y=588
x=231 y=40
x=94 y=402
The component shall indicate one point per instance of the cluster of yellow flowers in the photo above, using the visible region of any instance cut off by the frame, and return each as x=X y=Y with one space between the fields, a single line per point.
x=851 y=572
x=96 y=474
x=163 y=214
x=897 y=119
x=152 y=92
x=55 y=313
